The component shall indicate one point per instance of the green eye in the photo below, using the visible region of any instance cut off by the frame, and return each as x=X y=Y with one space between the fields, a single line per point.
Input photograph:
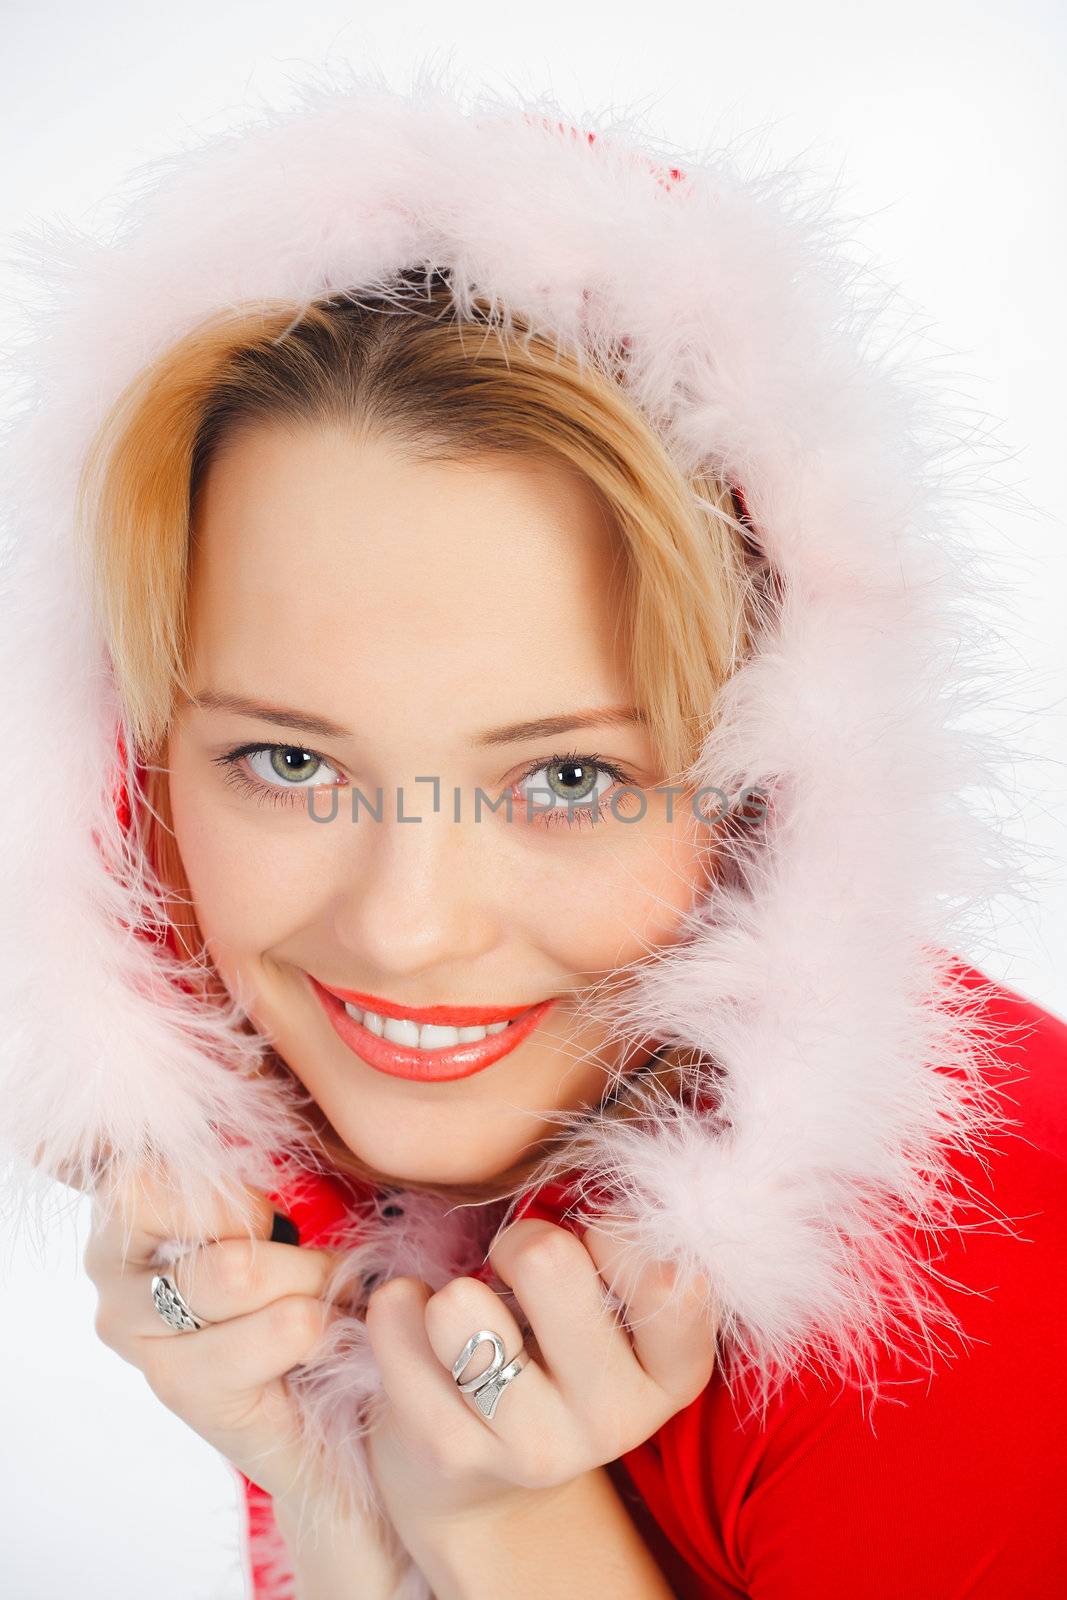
x=273 y=773
x=581 y=781
x=290 y=763
x=572 y=780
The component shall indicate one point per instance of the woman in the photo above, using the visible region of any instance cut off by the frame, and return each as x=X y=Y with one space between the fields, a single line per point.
x=543 y=493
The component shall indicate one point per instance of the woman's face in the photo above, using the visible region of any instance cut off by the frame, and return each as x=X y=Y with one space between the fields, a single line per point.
x=422 y=611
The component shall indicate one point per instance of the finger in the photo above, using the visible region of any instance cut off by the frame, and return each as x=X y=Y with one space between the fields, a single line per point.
x=131 y=1221
x=417 y=1336
x=218 y=1282
x=217 y=1375
x=82 y=1171
x=670 y=1316
x=235 y=1276
x=587 y=1353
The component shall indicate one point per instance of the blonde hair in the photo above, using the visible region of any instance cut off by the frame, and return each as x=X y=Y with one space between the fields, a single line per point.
x=401 y=363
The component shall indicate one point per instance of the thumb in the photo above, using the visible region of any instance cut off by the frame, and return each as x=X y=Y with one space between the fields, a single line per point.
x=153 y=1207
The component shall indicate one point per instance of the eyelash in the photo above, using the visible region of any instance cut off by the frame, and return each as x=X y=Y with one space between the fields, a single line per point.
x=581 y=815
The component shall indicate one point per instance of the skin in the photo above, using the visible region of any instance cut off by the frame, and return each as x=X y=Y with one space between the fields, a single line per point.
x=417 y=604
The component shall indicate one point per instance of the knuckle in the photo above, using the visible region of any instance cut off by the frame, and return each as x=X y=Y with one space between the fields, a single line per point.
x=234 y=1267
x=616 y=1432
x=548 y=1252
x=535 y=1465
x=458 y=1296
x=703 y=1373
x=164 y=1380
x=384 y=1294
x=104 y=1326
x=298 y=1318
x=100 y=1253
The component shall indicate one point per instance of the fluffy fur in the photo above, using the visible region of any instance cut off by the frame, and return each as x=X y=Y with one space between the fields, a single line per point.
x=851 y=1067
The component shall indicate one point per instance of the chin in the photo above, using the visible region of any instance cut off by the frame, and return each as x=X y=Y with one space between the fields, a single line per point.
x=429 y=1169
x=432 y=1172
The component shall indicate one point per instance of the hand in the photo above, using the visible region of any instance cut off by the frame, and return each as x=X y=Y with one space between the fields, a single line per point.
x=596 y=1392
x=225 y=1381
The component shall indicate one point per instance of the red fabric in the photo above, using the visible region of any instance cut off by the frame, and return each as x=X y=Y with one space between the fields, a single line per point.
x=957 y=1492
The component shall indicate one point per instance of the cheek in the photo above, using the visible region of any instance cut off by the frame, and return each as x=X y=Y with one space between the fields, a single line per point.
x=615 y=897
x=248 y=876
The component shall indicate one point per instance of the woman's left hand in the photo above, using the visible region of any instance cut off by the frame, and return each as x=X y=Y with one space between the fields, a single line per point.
x=591 y=1391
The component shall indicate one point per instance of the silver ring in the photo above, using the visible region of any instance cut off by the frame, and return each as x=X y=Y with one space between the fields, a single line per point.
x=173 y=1306
x=485 y=1390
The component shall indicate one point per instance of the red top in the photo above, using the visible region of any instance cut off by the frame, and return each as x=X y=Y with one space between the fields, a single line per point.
x=947 y=1489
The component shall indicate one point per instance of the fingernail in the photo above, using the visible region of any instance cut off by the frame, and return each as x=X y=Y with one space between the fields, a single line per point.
x=284 y=1230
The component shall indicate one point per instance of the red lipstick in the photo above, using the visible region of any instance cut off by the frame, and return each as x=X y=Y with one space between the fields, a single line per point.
x=427 y=1066
x=446 y=1016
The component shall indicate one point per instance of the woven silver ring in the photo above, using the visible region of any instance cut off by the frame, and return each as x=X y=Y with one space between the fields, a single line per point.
x=173 y=1306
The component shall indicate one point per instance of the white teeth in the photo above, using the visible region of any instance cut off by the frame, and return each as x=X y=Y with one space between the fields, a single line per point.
x=433 y=1037
x=420 y=1036
x=400 y=1031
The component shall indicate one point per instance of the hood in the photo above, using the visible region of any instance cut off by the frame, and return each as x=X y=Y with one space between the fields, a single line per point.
x=806 y=1176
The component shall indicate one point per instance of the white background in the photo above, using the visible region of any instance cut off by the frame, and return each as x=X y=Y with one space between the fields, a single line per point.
x=942 y=125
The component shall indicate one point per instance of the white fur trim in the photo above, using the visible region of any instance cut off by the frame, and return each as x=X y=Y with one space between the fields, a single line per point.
x=852 y=1070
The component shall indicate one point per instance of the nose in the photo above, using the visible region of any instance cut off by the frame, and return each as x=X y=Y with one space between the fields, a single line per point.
x=417 y=893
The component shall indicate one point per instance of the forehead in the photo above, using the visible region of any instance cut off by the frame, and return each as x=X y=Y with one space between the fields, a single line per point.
x=324 y=564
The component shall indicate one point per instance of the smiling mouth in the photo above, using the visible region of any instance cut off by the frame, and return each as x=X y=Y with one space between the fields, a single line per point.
x=432 y=1051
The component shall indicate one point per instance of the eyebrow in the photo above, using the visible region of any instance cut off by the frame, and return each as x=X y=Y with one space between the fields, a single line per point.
x=511 y=733
x=545 y=727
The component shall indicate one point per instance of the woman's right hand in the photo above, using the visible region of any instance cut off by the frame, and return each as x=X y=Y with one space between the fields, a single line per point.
x=264 y=1299
x=227 y=1381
